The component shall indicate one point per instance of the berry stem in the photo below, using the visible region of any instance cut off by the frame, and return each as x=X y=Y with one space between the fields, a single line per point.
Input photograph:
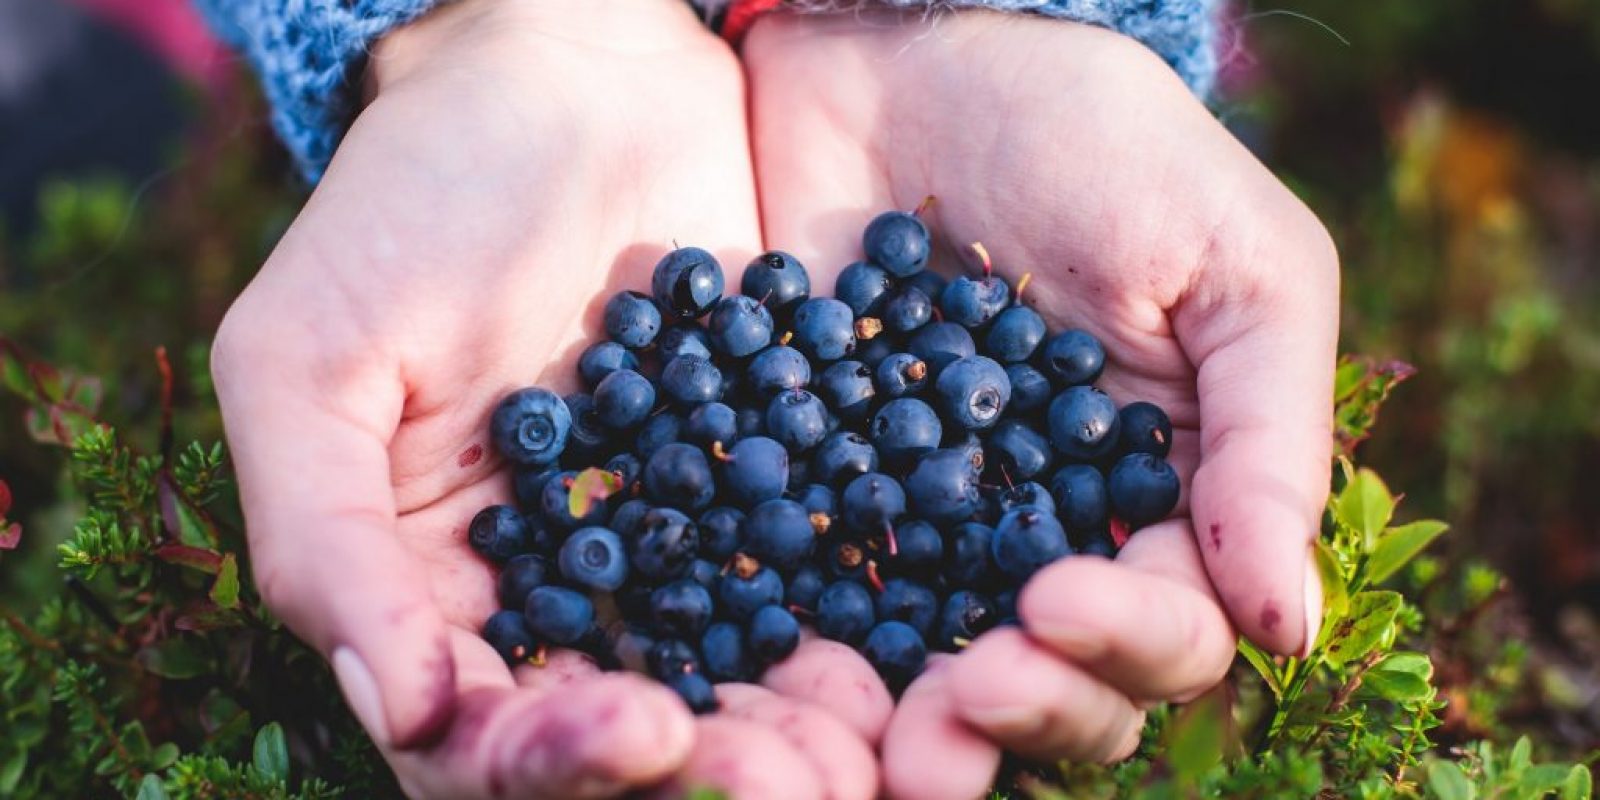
x=1027 y=278
x=983 y=256
x=720 y=454
x=922 y=207
x=872 y=575
x=888 y=535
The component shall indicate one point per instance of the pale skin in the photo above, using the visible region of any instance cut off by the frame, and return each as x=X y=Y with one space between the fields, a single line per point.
x=519 y=162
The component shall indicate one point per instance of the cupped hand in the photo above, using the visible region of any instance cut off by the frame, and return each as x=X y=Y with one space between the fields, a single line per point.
x=1077 y=155
x=518 y=162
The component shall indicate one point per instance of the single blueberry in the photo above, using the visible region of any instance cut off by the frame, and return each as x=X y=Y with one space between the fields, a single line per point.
x=863 y=288
x=904 y=429
x=871 y=503
x=779 y=533
x=968 y=563
x=726 y=658
x=530 y=426
x=683 y=339
x=772 y=634
x=1080 y=494
x=721 y=533
x=1143 y=489
x=664 y=546
x=695 y=691
x=898 y=242
x=681 y=609
x=631 y=319
x=624 y=399
x=943 y=488
x=1030 y=389
x=1025 y=540
x=498 y=533
x=592 y=557
x=603 y=358
x=1083 y=423
x=747 y=587
x=845 y=612
x=778 y=369
x=847 y=388
x=973 y=392
x=557 y=615
x=798 y=419
x=521 y=575
x=965 y=616
x=909 y=602
x=507 y=632
x=754 y=470
x=778 y=280
x=1018 y=450
x=710 y=424
x=972 y=302
x=689 y=381
x=1073 y=358
x=740 y=325
x=1016 y=333
x=940 y=343
x=824 y=329
x=897 y=652
x=679 y=475
x=687 y=282
x=906 y=309
x=1145 y=429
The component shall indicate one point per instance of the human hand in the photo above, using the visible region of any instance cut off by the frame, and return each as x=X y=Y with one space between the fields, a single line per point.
x=1076 y=154
x=520 y=161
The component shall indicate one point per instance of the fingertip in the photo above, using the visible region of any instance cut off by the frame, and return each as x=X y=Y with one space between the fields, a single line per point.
x=842 y=759
x=408 y=702
x=926 y=731
x=743 y=759
x=837 y=678
x=601 y=736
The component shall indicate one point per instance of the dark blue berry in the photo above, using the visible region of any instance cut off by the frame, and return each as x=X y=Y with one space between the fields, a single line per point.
x=528 y=482
x=873 y=351
x=706 y=574
x=1030 y=495
x=1030 y=389
x=627 y=467
x=772 y=634
x=1015 y=335
x=909 y=602
x=683 y=339
x=778 y=369
x=710 y=424
x=557 y=615
x=678 y=475
x=805 y=588
x=672 y=657
x=747 y=587
x=1083 y=423
x=906 y=309
x=919 y=549
x=824 y=329
x=968 y=562
x=779 y=533
x=778 y=280
x=1073 y=358
x=897 y=652
x=798 y=419
x=943 y=488
x=726 y=658
x=530 y=426
x=741 y=325
x=939 y=344
x=754 y=470
x=664 y=546
x=521 y=575
x=752 y=421
x=498 y=533
x=904 y=429
x=721 y=533
x=841 y=457
x=507 y=632
x=624 y=399
x=603 y=358
x=696 y=692
x=625 y=520
x=1081 y=499
x=689 y=381
x=687 y=282
x=631 y=319
x=897 y=242
x=965 y=616
x=681 y=609
x=1143 y=489
x=659 y=431
x=587 y=438
x=871 y=503
x=816 y=498
x=592 y=557
x=847 y=388
x=973 y=392
x=972 y=302
x=1145 y=429
x=1025 y=540
x=846 y=560
x=845 y=612
x=931 y=283
x=901 y=375
x=1018 y=450
x=1100 y=544
x=863 y=288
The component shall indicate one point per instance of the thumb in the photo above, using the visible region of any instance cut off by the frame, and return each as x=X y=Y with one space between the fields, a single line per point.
x=1261 y=325
x=313 y=470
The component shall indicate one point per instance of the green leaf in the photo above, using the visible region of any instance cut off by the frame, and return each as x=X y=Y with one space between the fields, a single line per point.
x=225 y=592
x=1407 y=662
x=1579 y=784
x=11 y=771
x=176 y=658
x=1335 y=593
x=1446 y=781
x=1366 y=506
x=271 y=753
x=1264 y=665
x=151 y=789
x=1399 y=545
x=591 y=486
x=1400 y=687
x=163 y=756
x=1371 y=617
x=1194 y=739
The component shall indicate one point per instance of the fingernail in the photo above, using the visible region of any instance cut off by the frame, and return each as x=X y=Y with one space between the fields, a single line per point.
x=361 y=692
x=1072 y=641
x=1313 y=602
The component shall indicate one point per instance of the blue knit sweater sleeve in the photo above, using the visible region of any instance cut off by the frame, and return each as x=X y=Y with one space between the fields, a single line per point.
x=309 y=53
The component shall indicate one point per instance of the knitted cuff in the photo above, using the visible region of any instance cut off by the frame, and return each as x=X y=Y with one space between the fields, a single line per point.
x=1181 y=31
x=309 y=54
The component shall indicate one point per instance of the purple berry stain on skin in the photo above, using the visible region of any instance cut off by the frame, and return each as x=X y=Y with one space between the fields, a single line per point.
x=470 y=456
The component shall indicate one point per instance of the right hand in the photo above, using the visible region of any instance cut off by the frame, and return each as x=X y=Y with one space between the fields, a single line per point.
x=520 y=161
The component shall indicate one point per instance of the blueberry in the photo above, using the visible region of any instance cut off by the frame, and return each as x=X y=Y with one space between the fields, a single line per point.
x=678 y=475
x=845 y=612
x=943 y=488
x=587 y=438
x=521 y=575
x=710 y=424
x=898 y=242
x=973 y=392
x=965 y=616
x=528 y=482
x=691 y=380
x=1025 y=540
x=624 y=399
x=1006 y=602
x=1081 y=499
x=530 y=426
x=721 y=533
x=901 y=375
x=1083 y=423
x=683 y=339
x=681 y=609
x=695 y=691
x=672 y=657
x=1143 y=489
x=904 y=429
x=972 y=302
x=1030 y=389
x=772 y=634
x=847 y=560
x=627 y=467
x=498 y=533
x=706 y=574
x=726 y=658
x=557 y=615
x=909 y=602
x=897 y=652
x=841 y=457
x=603 y=358
x=631 y=319
x=741 y=325
x=824 y=329
x=873 y=351
x=1018 y=451
x=659 y=431
x=507 y=632
x=1015 y=335
x=798 y=419
x=871 y=503
x=1145 y=429
x=778 y=280
x=816 y=499
x=863 y=288
x=754 y=471
x=906 y=309
x=664 y=546
x=687 y=282
x=779 y=533
x=751 y=421
x=968 y=563
x=1030 y=494
x=593 y=558
x=1100 y=544
x=747 y=587
x=931 y=283
x=778 y=369
x=1074 y=358
x=940 y=343
x=847 y=388
x=625 y=520
x=805 y=588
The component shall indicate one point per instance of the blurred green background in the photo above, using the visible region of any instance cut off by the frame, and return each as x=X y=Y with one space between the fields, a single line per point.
x=1452 y=146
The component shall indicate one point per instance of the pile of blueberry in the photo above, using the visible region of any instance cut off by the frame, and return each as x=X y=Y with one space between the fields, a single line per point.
x=874 y=464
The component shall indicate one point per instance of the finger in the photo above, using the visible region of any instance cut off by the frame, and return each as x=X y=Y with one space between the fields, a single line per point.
x=744 y=759
x=1033 y=703
x=841 y=758
x=596 y=738
x=1151 y=636
x=314 y=481
x=560 y=668
x=838 y=679
x=928 y=752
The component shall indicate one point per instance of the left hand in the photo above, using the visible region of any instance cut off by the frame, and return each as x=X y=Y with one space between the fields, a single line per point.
x=1077 y=154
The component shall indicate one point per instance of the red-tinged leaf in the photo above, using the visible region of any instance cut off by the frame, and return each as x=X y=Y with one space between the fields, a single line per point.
x=200 y=558
x=48 y=380
x=85 y=392
x=10 y=535
x=40 y=428
x=591 y=486
x=5 y=498
x=1361 y=387
x=225 y=592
